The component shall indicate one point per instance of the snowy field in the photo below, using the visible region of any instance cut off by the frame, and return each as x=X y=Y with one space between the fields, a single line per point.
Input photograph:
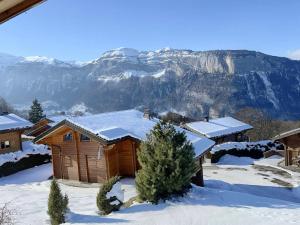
x=28 y=149
x=235 y=194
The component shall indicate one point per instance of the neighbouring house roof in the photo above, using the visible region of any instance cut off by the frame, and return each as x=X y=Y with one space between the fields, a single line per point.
x=53 y=120
x=12 y=8
x=218 y=127
x=286 y=134
x=113 y=126
x=13 y=122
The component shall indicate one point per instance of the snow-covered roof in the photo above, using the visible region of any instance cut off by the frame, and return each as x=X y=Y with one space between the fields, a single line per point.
x=114 y=125
x=218 y=127
x=287 y=134
x=56 y=119
x=13 y=122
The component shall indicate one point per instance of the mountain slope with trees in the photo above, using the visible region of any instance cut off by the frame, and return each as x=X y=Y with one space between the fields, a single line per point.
x=192 y=82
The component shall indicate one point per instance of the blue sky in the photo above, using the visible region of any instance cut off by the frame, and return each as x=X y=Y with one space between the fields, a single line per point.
x=83 y=29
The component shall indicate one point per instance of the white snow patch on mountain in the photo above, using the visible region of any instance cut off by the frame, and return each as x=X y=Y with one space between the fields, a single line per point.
x=47 y=61
x=130 y=73
x=159 y=74
x=78 y=108
x=40 y=59
x=121 y=52
x=270 y=93
x=79 y=63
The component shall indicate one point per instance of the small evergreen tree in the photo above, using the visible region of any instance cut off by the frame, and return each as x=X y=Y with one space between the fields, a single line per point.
x=57 y=204
x=35 y=112
x=167 y=164
x=104 y=203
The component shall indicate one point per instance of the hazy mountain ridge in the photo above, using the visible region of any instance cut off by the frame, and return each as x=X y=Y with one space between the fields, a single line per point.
x=221 y=81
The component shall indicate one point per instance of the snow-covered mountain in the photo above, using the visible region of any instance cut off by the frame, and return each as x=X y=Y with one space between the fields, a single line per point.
x=194 y=82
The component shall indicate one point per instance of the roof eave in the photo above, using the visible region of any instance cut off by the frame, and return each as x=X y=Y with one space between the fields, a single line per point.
x=71 y=125
x=81 y=130
x=18 y=9
x=14 y=129
x=217 y=136
x=286 y=134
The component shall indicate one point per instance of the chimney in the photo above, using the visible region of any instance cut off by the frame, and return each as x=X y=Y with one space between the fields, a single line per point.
x=147 y=113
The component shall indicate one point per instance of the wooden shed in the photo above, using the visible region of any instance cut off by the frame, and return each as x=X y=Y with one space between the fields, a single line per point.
x=11 y=129
x=291 y=142
x=97 y=147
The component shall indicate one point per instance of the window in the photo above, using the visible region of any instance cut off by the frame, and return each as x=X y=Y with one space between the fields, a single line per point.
x=84 y=138
x=7 y=144
x=68 y=137
x=4 y=144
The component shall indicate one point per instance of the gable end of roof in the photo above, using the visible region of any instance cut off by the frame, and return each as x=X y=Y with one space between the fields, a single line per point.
x=82 y=131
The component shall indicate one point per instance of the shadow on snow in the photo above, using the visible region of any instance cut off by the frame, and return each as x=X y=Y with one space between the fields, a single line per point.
x=81 y=218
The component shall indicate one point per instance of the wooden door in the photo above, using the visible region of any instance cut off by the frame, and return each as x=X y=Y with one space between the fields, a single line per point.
x=70 y=167
x=96 y=169
x=113 y=162
x=126 y=159
x=56 y=162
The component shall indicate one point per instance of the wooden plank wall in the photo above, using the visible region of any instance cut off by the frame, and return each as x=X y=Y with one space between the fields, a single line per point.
x=14 y=139
x=126 y=163
x=91 y=167
x=92 y=164
x=292 y=145
x=117 y=159
x=122 y=159
x=112 y=161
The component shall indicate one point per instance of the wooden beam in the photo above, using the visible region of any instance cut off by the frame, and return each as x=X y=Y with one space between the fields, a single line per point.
x=18 y=9
x=117 y=158
x=87 y=168
x=77 y=153
x=51 y=147
x=61 y=165
x=133 y=157
x=20 y=137
x=198 y=179
x=105 y=152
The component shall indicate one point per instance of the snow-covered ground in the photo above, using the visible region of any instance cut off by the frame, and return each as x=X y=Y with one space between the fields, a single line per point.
x=29 y=148
x=234 y=195
x=259 y=145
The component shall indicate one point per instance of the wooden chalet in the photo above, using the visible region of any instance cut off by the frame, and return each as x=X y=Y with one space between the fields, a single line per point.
x=97 y=147
x=12 y=8
x=11 y=129
x=291 y=143
x=220 y=130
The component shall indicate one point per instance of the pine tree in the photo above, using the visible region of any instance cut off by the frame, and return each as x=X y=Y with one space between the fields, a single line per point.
x=167 y=164
x=57 y=204
x=104 y=204
x=36 y=112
